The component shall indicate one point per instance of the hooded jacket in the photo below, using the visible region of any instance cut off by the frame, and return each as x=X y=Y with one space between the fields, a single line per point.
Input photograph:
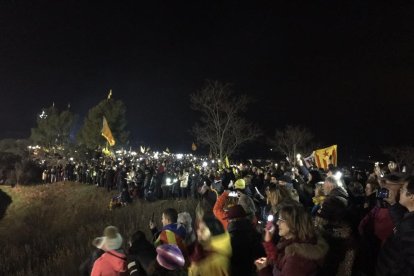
x=292 y=257
x=111 y=263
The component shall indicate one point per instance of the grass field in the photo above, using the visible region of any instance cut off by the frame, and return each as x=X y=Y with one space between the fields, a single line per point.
x=48 y=229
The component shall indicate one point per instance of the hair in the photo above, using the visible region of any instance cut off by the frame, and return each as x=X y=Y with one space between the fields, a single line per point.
x=248 y=205
x=410 y=184
x=171 y=214
x=299 y=222
x=356 y=188
x=332 y=180
x=277 y=194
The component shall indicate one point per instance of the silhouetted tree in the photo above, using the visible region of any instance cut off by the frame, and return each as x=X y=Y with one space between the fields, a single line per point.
x=53 y=127
x=291 y=141
x=114 y=112
x=222 y=128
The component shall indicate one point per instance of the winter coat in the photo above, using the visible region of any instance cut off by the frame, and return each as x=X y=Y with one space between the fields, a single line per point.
x=342 y=250
x=219 y=211
x=397 y=254
x=293 y=257
x=216 y=257
x=111 y=263
x=246 y=244
x=377 y=222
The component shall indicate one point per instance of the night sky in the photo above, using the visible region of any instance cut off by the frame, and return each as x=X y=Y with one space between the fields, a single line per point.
x=344 y=69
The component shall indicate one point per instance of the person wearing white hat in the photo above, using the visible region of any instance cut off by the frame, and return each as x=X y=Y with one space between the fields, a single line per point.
x=113 y=261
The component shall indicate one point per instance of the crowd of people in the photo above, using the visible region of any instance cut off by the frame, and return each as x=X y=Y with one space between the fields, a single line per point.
x=262 y=220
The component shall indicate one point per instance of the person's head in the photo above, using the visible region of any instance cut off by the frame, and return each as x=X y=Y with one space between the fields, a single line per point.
x=407 y=193
x=169 y=216
x=319 y=189
x=111 y=239
x=371 y=187
x=277 y=194
x=329 y=184
x=295 y=223
x=273 y=179
x=393 y=182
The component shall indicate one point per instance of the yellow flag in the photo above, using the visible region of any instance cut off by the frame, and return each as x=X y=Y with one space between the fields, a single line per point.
x=326 y=156
x=110 y=94
x=106 y=132
x=194 y=147
x=227 y=162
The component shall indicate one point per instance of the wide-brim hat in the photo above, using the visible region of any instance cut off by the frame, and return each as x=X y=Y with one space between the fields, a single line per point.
x=111 y=240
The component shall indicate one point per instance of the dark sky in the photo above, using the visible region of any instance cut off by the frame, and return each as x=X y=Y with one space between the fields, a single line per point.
x=344 y=69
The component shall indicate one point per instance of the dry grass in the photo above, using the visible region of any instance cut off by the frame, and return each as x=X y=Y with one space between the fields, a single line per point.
x=48 y=229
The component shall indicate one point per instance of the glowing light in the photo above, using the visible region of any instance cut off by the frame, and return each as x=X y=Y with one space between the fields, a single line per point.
x=298 y=156
x=270 y=218
x=168 y=181
x=179 y=155
x=337 y=175
x=212 y=161
x=204 y=164
x=71 y=159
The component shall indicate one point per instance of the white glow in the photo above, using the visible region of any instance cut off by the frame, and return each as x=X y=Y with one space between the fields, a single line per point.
x=118 y=151
x=156 y=155
x=168 y=181
x=337 y=175
x=204 y=164
x=219 y=161
x=175 y=180
x=71 y=159
x=133 y=153
x=179 y=155
x=212 y=161
x=270 y=218
x=298 y=156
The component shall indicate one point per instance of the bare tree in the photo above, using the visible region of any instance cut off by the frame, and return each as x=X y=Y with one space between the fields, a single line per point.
x=291 y=141
x=402 y=155
x=221 y=127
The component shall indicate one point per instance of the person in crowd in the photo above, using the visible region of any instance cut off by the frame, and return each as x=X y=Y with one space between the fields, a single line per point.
x=300 y=250
x=397 y=254
x=210 y=255
x=171 y=232
x=278 y=196
x=184 y=218
x=144 y=259
x=113 y=262
x=141 y=255
x=183 y=177
x=318 y=198
x=334 y=226
x=245 y=241
x=371 y=188
x=227 y=199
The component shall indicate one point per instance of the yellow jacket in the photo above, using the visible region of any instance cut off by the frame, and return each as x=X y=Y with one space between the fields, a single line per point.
x=217 y=263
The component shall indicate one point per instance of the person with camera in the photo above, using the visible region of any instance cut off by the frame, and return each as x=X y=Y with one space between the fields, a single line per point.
x=378 y=224
x=397 y=255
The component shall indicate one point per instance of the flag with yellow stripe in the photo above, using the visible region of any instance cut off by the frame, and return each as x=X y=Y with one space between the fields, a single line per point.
x=107 y=133
x=324 y=157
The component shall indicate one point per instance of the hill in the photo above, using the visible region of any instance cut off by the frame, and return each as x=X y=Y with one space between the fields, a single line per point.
x=48 y=229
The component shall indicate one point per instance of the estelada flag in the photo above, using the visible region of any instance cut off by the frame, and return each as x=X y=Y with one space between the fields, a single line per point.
x=326 y=156
x=106 y=132
x=194 y=147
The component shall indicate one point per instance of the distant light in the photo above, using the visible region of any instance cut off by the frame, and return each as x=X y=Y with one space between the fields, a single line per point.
x=204 y=164
x=219 y=161
x=168 y=181
x=212 y=161
x=179 y=155
x=71 y=159
x=175 y=180
x=133 y=153
x=298 y=156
